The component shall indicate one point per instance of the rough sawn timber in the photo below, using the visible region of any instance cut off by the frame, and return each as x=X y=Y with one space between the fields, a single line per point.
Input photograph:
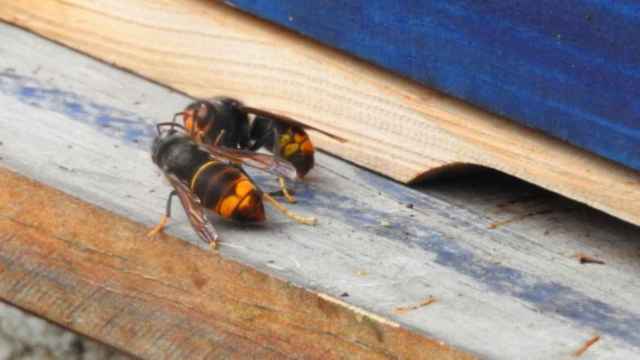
x=503 y=271
x=394 y=126
x=97 y=273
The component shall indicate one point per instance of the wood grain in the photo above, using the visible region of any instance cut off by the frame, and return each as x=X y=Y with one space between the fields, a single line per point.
x=88 y=269
x=394 y=126
x=83 y=127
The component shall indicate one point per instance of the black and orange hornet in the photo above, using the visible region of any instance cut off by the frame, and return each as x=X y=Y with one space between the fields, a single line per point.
x=241 y=127
x=208 y=176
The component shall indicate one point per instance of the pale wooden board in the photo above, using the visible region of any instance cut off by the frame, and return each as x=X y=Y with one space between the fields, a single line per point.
x=504 y=293
x=395 y=127
x=96 y=272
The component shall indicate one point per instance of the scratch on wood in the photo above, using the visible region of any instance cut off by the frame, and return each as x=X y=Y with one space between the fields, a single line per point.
x=586 y=346
x=586 y=259
x=497 y=224
x=359 y=311
x=401 y=310
x=7 y=237
x=68 y=318
x=112 y=318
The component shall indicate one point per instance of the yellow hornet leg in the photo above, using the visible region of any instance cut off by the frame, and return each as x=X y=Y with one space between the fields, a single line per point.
x=158 y=228
x=213 y=246
x=285 y=191
x=165 y=218
x=289 y=213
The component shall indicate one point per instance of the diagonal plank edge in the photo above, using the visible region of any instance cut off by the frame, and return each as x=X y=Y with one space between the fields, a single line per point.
x=94 y=272
x=394 y=126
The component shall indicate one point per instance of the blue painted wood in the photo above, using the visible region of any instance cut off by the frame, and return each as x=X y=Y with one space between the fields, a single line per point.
x=569 y=68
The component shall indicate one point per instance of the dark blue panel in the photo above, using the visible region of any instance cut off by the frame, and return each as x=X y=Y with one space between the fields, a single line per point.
x=569 y=68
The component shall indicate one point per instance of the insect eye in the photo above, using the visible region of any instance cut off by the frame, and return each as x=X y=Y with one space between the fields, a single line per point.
x=202 y=115
x=202 y=111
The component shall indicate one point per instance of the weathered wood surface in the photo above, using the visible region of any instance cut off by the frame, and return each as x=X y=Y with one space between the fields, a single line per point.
x=503 y=271
x=165 y=299
x=394 y=126
x=563 y=67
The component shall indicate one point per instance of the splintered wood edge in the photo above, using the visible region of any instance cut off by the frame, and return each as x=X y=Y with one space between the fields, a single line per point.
x=96 y=273
x=394 y=126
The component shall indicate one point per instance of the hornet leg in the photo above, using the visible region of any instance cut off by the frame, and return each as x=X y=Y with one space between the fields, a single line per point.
x=165 y=218
x=285 y=191
x=289 y=213
x=279 y=193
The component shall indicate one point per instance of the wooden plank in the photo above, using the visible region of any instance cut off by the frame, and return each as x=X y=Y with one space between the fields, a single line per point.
x=557 y=66
x=501 y=291
x=394 y=127
x=88 y=269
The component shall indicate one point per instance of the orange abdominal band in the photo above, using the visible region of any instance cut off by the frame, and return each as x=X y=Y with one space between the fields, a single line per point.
x=241 y=199
x=299 y=142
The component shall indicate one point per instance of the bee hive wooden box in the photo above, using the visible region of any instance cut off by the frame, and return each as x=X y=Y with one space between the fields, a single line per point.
x=546 y=64
x=394 y=126
x=389 y=271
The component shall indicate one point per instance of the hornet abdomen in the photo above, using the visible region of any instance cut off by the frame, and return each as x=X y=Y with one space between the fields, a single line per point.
x=228 y=191
x=296 y=147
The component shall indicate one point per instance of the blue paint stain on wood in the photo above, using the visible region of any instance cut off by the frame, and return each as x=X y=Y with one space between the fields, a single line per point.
x=569 y=68
x=545 y=295
x=116 y=122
